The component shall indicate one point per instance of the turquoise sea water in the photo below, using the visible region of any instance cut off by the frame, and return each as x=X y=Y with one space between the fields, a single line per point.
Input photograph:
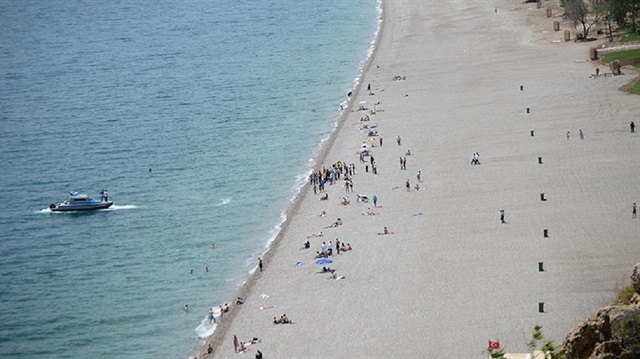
x=196 y=116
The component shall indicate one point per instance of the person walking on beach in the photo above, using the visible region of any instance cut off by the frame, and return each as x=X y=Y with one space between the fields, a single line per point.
x=380 y=141
x=398 y=140
x=408 y=185
x=419 y=176
x=502 y=216
x=375 y=200
x=633 y=127
x=260 y=264
x=568 y=135
x=581 y=135
x=633 y=211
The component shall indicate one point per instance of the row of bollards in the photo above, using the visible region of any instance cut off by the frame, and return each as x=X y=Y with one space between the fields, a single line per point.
x=545 y=231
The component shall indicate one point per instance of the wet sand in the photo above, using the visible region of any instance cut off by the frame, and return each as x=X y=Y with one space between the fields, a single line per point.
x=452 y=276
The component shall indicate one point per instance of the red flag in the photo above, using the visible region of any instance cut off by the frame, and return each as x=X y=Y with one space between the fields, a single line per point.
x=494 y=345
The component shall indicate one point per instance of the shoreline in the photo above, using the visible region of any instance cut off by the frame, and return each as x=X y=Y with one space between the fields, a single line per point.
x=450 y=277
x=222 y=327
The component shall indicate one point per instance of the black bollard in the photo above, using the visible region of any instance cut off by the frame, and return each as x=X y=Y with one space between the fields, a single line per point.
x=542 y=197
x=528 y=109
x=521 y=88
x=531 y=133
x=540 y=162
x=541 y=307
x=545 y=233
x=540 y=266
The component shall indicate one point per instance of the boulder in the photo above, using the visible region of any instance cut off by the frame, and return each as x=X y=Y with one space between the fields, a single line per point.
x=582 y=339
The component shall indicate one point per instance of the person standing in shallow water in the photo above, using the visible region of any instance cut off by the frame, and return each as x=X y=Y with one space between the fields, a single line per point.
x=260 y=264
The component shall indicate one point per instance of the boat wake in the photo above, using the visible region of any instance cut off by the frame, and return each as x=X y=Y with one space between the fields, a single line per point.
x=124 y=206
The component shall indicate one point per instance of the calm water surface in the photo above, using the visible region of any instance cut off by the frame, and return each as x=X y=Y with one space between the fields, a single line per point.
x=196 y=116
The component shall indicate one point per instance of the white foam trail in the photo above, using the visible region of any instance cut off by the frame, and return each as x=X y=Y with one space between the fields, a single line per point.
x=124 y=206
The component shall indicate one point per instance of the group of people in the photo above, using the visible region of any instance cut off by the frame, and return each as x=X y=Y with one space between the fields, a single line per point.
x=104 y=195
x=403 y=163
x=475 y=158
x=282 y=320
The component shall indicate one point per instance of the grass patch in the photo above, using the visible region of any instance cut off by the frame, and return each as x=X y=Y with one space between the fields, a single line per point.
x=636 y=88
x=621 y=55
x=624 y=295
x=630 y=37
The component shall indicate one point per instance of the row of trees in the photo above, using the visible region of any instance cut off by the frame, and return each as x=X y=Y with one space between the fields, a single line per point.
x=624 y=13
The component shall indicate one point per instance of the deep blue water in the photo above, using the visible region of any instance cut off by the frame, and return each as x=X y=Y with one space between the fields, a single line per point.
x=196 y=116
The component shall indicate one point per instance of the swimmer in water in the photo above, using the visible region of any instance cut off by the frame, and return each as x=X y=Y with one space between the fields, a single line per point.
x=186 y=307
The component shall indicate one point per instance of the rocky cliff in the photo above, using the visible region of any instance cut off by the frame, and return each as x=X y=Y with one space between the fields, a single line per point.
x=612 y=333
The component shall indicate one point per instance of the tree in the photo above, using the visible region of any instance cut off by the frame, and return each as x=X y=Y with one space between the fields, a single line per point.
x=579 y=11
x=548 y=348
x=618 y=10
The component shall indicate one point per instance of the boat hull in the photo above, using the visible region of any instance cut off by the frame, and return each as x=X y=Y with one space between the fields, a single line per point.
x=61 y=207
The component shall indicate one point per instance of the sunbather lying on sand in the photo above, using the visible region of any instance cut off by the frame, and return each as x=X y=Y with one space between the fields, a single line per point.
x=344 y=202
x=345 y=248
x=314 y=235
x=306 y=245
x=327 y=270
x=254 y=340
x=335 y=276
x=369 y=212
x=335 y=224
x=324 y=197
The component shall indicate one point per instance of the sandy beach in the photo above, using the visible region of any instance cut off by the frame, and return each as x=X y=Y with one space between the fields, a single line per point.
x=451 y=276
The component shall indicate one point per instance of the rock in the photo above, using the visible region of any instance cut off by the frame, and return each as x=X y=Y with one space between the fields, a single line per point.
x=610 y=350
x=635 y=278
x=582 y=339
x=612 y=333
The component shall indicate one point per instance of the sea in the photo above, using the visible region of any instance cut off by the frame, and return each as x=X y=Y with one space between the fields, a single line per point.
x=202 y=119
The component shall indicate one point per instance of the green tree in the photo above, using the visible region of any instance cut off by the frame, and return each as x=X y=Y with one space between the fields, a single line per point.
x=586 y=13
x=548 y=348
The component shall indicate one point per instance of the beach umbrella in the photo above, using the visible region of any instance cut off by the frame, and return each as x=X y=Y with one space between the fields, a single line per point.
x=324 y=261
